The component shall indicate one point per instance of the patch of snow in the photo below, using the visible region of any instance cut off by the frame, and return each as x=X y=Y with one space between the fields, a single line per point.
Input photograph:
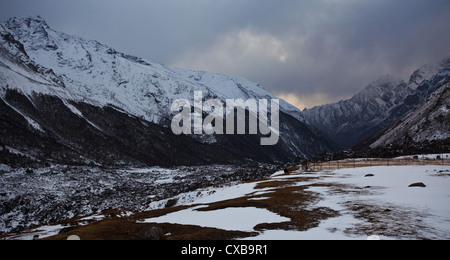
x=260 y=198
x=236 y=219
x=72 y=108
x=330 y=229
x=228 y=193
x=30 y=121
x=41 y=232
x=4 y=168
x=424 y=212
x=426 y=156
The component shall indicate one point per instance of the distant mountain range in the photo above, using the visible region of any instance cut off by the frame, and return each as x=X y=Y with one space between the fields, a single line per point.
x=349 y=122
x=64 y=99
x=427 y=122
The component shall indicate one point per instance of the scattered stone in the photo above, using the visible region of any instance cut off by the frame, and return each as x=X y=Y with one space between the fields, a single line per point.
x=418 y=184
x=73 y=238
x=291 y=169
x=171 y=203
x=78 y=185
x=150 y=233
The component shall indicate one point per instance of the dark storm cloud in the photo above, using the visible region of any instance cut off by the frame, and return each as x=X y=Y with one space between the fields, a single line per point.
x=315 y=50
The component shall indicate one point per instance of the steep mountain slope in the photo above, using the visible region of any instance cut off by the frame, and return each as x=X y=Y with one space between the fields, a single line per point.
x=71 y=100
x=429 y=121
x=89 y=68
x=40 y=124
x=349 y=122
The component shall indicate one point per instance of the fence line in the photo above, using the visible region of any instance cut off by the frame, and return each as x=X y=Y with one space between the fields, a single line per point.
x=357 y=163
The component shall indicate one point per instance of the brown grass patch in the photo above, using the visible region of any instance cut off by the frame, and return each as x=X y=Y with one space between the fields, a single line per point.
x=283 y=197
x=283 y=182
x=287 y=201
x=118 y=228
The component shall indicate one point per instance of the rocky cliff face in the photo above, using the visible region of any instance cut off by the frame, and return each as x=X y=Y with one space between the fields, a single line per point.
x=70 y=100
x=427 y=122
x=350 y=122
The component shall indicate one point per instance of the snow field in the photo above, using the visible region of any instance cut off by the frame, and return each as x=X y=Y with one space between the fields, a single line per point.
x=381 y=205
x=372 y=202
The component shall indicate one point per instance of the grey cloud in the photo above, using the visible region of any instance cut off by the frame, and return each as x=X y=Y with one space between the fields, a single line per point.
x=334 y=47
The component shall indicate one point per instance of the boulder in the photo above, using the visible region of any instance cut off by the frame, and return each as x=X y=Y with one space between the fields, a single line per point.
x=171 y=203
x=418 y=184
x=73 y=238
x=150 y=233
x=291 y=169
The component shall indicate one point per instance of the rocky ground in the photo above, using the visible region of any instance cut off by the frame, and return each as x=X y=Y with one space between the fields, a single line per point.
x=35 y=197
x=403 y=199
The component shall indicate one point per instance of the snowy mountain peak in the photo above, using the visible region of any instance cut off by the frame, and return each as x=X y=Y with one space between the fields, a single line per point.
x=84 y=77
x=382 y=102
x=34 y=28
x=385 y=81
x=428 y=121
x=426 y=72
x=31 y=22
x=378 y=88
x=92 y=69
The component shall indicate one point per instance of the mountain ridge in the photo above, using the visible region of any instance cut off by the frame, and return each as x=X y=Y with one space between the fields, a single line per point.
x=85 y=82
x=429 y=121
x=380 y=103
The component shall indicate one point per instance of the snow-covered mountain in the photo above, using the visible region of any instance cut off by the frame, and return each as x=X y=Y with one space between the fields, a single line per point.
x=91 y=69
x=64 y=97
x=350 y=122
x=429 y=121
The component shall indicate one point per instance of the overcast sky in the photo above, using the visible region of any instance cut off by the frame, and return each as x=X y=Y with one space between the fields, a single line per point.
x=310 y=52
